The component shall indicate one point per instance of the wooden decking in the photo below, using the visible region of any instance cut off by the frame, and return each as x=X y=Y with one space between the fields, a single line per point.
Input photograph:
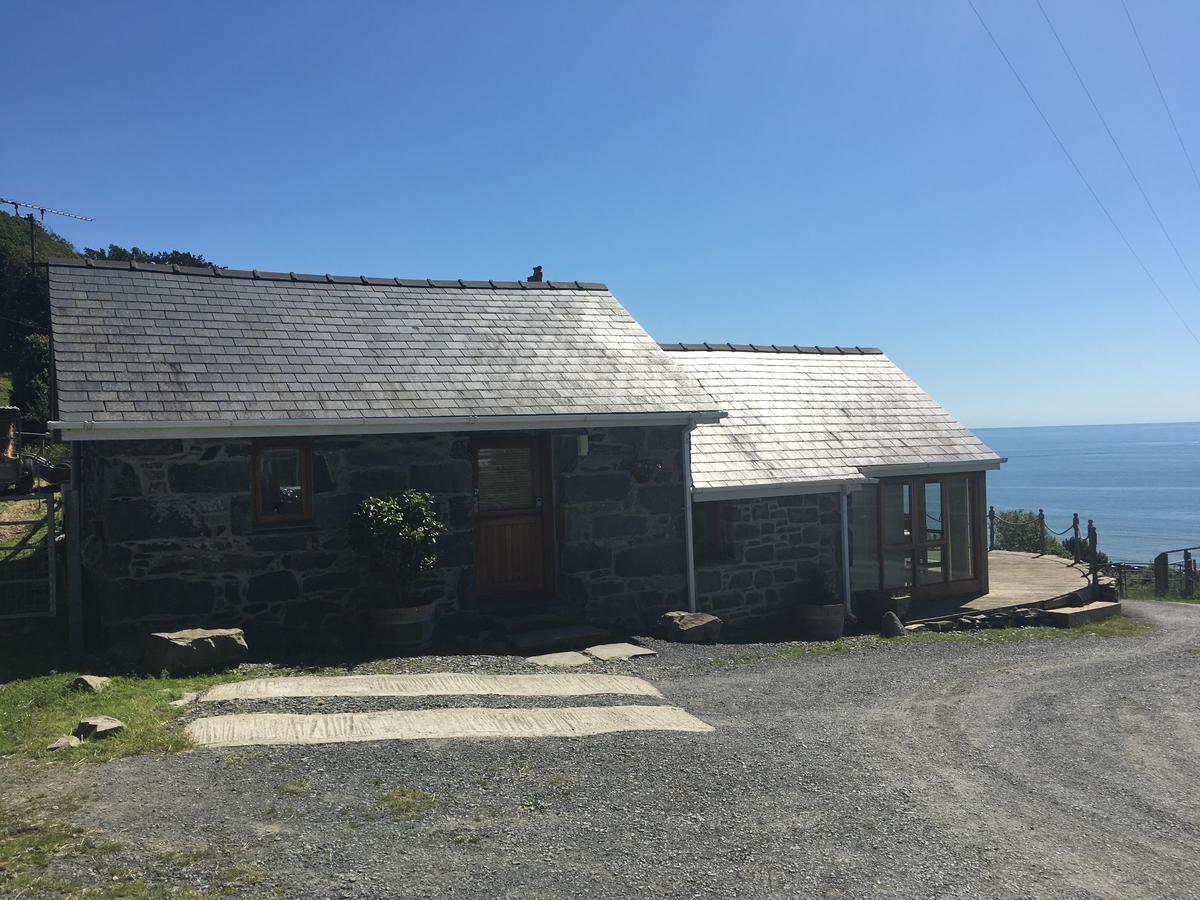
x=1017 y=579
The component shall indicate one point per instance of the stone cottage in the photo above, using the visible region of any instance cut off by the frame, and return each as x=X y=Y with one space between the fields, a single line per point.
x=226 y=423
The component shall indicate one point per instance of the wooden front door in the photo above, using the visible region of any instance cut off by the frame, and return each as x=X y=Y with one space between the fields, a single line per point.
x=514 y=518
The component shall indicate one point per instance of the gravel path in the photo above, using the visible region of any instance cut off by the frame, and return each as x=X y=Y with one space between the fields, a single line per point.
x=1047 y=768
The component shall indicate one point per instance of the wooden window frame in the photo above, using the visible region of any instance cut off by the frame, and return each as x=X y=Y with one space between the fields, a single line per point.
x=268 y=519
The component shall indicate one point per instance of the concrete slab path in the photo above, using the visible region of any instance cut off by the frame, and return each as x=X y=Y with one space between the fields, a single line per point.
x=437 y=684
x=580 y=721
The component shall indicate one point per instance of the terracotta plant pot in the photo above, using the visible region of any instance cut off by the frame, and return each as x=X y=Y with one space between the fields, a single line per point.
x=404 y=630
x=820 y=623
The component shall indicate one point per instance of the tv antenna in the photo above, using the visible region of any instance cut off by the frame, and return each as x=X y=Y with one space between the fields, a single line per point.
x=42 y=210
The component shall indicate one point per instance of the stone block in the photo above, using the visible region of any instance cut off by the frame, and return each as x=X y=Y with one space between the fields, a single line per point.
x=96 y=728
x=595 y=488
x=272 y=587
x=690 y=628
x=585 y=557
x=649 y=559
x=224 y=477
x=194 y=650
x=661 y=498
x=763 y=553
x=617 y=526
x=453 y=477
x=140 y=519
x=336 y=580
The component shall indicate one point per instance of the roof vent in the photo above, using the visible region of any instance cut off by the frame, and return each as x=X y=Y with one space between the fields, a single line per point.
x=537 y=274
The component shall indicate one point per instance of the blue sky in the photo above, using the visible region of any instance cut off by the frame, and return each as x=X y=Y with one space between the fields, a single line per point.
x=835 y=173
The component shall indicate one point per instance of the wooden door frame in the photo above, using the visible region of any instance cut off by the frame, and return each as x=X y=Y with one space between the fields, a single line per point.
x=543 y=449
x=977 y=584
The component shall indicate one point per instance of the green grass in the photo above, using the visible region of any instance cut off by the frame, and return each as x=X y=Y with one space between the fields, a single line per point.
x=408 y=803
x=1115 y=626
x=36 y=835
x=5 y=387
x=292 y=788
x=34 y=711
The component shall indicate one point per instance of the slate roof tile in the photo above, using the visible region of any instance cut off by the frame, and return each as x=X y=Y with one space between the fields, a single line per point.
x=141 y=345
x=800 y=414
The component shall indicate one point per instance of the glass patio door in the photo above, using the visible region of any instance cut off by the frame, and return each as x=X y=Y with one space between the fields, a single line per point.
x=927 y=532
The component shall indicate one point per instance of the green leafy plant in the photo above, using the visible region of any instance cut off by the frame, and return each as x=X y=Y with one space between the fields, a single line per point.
x=31 y=380
x=1018 y=529
x=398 y=536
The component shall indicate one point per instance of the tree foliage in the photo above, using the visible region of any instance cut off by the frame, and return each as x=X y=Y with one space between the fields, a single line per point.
x=1017 y=529
x=137 y=254
x=24 y=308
x=31 y=381
x=398 y=535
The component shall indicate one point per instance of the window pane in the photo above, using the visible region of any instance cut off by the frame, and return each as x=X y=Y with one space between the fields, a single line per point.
x=281 y=482
x=897 y=568
x=934 y=529
x=958 y=529
x=897 y=513
x=506 y=478
x=931 y=565
x=864 y=540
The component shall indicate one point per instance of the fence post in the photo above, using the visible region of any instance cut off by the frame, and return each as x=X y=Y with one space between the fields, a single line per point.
x=1091 y=552
x=1189 y=573
x=1075 y=531
x=991 y=528
x=1042 y=531
x=1160 y=575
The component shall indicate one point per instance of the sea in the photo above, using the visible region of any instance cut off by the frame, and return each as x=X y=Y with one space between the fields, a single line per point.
x=1140 y=484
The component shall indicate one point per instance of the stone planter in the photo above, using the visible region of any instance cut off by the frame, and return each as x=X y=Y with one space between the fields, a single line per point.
x=404 y=630
x=820 y=623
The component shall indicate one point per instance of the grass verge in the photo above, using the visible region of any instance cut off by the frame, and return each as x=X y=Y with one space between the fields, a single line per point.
x=408 y=803
x=34 y=711
x=1114 y=626
x=43 y=855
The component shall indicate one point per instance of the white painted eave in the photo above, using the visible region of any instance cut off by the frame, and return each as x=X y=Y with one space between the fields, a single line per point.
x=266 y=428
x=933 y=468
x=776 y=489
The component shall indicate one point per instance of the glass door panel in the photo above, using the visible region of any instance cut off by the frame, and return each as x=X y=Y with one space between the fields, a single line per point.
x=959 y=529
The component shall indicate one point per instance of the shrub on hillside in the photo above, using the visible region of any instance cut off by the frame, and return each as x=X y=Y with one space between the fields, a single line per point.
x=1017 y=529
x=31 y=381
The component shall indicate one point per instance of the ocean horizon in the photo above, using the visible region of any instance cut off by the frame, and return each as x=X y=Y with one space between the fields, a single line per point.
x=1139 y=483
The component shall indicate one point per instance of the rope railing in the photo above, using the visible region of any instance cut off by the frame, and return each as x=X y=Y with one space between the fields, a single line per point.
x=1042 y=530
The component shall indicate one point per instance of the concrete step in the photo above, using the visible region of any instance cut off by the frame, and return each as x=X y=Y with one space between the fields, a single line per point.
x=558 y=637
x=1074 y=616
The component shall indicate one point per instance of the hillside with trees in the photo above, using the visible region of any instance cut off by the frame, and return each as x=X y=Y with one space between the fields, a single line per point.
x=25 y=306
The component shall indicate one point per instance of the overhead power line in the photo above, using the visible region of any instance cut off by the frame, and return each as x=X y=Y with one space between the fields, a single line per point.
x=1161 y=96
x=1121 y=153
x=1078 y=171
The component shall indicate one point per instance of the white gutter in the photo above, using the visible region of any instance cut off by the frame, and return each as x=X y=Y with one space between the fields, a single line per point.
x=846 y=554
x=974 y=465
x=778 y=489
x=690 y=551
x=215 y=428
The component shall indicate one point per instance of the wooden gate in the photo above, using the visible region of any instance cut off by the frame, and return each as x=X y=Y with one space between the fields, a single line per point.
x=29 y=527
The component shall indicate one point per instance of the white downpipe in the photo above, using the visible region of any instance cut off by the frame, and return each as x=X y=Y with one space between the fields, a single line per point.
x=846 y=553
x=687 y=514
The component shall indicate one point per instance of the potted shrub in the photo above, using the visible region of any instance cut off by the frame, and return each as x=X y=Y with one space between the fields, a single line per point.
x=398 y=537
x=820 y=614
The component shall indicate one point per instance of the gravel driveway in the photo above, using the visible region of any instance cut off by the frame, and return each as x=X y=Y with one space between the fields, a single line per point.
x=1057 y=767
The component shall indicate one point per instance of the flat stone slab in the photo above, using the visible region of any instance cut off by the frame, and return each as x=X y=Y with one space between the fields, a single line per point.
x=427 y=724
x=559 y=637
x=1074 y=616
x=607 y=652
x=565 y=659
x=442 y=684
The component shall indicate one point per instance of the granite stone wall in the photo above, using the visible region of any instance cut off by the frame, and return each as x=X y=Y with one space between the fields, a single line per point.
x=169 y=539
x=771 y=548
x=622 y=555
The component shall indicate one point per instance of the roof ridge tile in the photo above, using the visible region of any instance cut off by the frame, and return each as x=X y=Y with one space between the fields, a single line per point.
x=770 y=348
x=260 y=275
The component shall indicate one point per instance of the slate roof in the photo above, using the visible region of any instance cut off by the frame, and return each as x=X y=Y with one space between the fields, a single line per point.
x=809 y=414
x=143 y=343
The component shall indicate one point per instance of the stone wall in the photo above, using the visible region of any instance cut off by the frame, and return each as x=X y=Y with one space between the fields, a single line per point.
x=770 y=549
x=169 y=538
x=620 y=523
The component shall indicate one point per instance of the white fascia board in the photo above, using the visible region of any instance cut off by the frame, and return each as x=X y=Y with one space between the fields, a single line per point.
x=776 y=489
x=932 y=468
x=219 y=428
